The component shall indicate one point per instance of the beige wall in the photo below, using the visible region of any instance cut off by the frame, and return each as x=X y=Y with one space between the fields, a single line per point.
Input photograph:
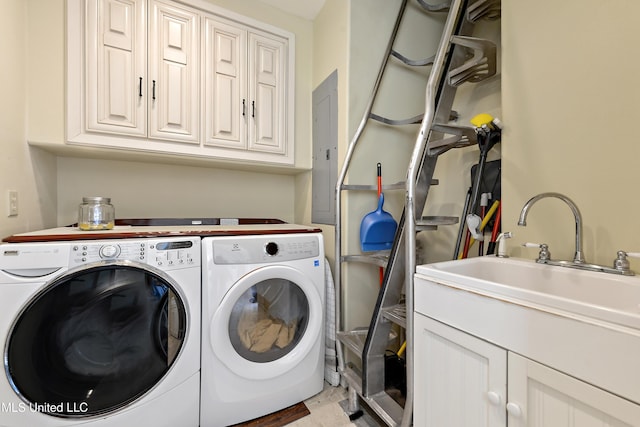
x=31 y=172
x=147 y=190
x=571 y=101
x=370 y=26
x=330 y=39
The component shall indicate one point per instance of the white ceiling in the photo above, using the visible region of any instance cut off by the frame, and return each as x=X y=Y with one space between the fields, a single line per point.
x=307 y=9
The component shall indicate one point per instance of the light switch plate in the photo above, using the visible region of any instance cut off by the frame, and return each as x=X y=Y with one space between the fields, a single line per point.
x=12 y=203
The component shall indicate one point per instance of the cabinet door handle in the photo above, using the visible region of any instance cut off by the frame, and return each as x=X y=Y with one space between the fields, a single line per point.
x=494 y=398
x=153 y=92
x=244 y=107
x=140 y=88
x=514 y=410
x=253 y=108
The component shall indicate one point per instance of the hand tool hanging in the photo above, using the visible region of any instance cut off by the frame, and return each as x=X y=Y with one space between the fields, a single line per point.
x=470 y=240
x=488 y=132
x=378 y=228
x=379 y=172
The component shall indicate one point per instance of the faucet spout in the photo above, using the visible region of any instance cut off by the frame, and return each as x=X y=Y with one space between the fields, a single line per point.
x=522 y=221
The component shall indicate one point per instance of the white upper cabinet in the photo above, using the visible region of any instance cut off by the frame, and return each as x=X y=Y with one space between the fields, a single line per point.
x=245 y=88
x=116 y=66
x=173 y=83
x=164 y=77
x=225 y=53
x=267 y=94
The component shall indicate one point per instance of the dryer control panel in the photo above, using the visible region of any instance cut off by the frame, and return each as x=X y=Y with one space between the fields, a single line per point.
x=165 y=254
x=264 y=249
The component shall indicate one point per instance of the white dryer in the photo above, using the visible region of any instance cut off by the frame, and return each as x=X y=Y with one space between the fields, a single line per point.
x=100 y=332
x=262 y=324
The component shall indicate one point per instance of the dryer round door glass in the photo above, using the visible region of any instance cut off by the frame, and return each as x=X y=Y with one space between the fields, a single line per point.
x=267 y=322
x=95 y=340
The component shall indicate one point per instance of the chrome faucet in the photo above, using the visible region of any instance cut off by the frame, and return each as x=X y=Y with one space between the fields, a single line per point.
x=620 y=265
x=578 y=257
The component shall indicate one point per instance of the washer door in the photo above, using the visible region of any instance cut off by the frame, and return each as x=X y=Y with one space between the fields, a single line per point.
x=95 y=340
x=267 y=322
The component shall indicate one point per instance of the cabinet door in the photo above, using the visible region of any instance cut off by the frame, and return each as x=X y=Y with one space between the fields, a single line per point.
x=173 y=73
x=115 y=66
x=460 y=380
x=267 y=92
x=540 y=397
x=226 y=104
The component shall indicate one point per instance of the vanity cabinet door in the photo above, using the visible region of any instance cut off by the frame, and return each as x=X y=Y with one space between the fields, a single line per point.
x=540 y=397
x=460 y=380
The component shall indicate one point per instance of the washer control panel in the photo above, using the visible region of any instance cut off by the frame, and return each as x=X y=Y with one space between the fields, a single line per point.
x=165 y=254
x=264 y=249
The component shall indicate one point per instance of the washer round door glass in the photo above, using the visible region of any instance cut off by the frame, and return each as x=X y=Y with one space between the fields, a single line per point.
x=267 y=322
x=95 y=340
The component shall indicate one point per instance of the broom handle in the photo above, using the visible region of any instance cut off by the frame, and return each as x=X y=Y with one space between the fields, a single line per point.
x=379 y=179
x=379 y=166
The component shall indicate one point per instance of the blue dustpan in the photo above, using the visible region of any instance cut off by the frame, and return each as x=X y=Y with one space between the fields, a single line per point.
x=377 y=229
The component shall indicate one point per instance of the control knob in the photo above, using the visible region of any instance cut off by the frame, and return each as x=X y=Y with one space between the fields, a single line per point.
x=271 y=248
x=109 y=251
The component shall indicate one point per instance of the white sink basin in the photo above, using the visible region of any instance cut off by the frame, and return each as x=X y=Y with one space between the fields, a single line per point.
x=607 y=297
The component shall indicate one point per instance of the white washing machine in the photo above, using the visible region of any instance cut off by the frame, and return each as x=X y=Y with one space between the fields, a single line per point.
x=100 y=332
x=262 y=324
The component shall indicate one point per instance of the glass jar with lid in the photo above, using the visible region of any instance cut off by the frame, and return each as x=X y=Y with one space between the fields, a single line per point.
x=96 y=213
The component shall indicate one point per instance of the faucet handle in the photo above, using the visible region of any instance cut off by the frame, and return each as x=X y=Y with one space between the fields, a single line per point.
x=621 y=263
x=544 y=254
x=632 y=254
x=501 y=252
x=532 y=245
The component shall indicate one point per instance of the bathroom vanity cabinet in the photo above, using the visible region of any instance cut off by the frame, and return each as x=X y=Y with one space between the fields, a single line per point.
x=488 y=361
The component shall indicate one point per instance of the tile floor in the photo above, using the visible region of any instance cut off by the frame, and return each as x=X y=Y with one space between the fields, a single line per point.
x=328 y=409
